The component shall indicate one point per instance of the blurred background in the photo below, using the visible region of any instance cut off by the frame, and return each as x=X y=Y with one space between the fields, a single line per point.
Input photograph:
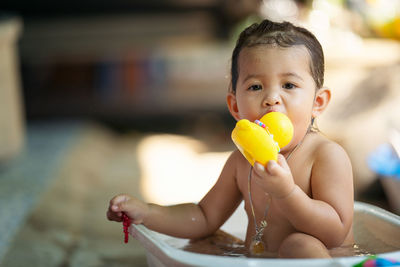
x=103 y=97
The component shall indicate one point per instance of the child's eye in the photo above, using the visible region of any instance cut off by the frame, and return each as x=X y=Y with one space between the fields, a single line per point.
x=255 y=87
x=289 y=86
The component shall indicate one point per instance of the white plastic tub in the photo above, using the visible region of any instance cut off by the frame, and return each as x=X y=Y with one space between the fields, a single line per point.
x=375 y=229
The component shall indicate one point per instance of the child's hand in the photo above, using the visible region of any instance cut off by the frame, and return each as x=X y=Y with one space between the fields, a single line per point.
x=276 y=178
x=134 y=208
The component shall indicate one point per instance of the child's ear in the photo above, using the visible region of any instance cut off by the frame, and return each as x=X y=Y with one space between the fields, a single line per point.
x=232 y=105
x=321 y=101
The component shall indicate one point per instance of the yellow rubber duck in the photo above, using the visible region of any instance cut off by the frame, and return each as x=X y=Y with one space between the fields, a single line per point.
x=261 y=140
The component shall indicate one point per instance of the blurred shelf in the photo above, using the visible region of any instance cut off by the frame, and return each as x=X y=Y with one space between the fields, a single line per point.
x=124 y=65
x=100 y=35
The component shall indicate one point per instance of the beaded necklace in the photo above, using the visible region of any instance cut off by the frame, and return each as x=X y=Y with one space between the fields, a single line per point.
x=126 y=222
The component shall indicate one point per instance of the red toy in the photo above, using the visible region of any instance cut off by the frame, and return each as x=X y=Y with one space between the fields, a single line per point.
x=126 y=222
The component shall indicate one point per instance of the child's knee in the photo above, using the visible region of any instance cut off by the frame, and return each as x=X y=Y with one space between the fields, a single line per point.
x=299 y=245
x=290 y=244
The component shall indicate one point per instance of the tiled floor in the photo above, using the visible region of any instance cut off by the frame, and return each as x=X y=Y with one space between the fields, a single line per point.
x=68 y=227
x=27 y=176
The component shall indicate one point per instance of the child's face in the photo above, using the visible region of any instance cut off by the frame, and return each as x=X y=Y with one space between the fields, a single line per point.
x=275 y=79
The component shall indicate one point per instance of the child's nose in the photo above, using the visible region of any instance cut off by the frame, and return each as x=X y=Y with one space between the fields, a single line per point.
x=272 y=99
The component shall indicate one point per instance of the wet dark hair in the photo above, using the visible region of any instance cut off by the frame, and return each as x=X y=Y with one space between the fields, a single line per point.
x=282 y=34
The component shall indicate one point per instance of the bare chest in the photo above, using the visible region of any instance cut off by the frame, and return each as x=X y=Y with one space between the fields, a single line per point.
x=259 y=205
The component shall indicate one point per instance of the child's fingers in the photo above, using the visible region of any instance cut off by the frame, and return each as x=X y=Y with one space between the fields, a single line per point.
x=122 y=206
x=116 y=207
x=269 y=170
x=116 y=203
x=275 y=178
x=283 y=162
x=118 y=199
x=278 y=168
x=113 y=207
x=272 y=168
x=259 y=169
x=112 y=216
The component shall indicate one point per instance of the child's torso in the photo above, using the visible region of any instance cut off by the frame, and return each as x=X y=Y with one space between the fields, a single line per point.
x=278 y=228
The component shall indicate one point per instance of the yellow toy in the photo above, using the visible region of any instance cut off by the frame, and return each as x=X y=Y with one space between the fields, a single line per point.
x=261 y=141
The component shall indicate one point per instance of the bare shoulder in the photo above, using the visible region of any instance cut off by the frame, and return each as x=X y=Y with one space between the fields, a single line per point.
x=332 y=173
x=232 y=164
x=237 y=158
x=327 y=151
x=236 y=155
x=237 y=167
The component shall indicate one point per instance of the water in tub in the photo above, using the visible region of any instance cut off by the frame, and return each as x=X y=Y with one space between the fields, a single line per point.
x=228 y=241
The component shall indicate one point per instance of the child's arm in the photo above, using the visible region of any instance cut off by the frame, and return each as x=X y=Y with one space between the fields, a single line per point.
x=328 y=215
x=185 y=220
